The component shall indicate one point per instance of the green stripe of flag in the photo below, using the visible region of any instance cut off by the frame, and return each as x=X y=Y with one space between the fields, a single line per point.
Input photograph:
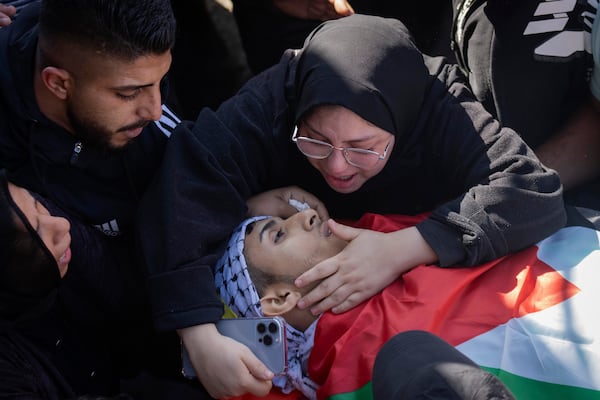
x=364 y=393
x=527 y=389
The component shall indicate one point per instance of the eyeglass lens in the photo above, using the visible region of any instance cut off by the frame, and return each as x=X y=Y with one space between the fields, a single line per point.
x=357 y=157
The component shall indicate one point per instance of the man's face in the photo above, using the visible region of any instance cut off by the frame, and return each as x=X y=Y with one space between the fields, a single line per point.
x=111 y=100
x=291 y=246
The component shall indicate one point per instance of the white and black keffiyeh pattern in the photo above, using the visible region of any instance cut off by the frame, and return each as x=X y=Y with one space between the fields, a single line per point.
x=299 y=345
x=237 y=291
x=232 y=278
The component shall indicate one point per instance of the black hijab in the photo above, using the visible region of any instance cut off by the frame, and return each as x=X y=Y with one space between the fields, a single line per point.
x=367 y=64
x=28 y=271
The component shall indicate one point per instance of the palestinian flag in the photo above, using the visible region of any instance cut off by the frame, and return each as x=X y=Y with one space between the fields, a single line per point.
x=554 y=352
x=528 y=317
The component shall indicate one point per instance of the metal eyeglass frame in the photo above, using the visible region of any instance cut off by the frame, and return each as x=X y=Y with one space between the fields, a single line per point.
x=344 y=150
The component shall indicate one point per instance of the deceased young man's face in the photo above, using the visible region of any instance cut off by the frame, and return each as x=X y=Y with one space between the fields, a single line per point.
x=291 y=246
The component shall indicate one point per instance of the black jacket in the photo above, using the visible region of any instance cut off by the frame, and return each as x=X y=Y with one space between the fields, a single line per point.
x=488 y=193
x=528 y=65
x=102 y=190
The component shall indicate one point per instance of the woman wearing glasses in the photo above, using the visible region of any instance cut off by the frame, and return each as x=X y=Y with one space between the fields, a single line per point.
x=361 y=120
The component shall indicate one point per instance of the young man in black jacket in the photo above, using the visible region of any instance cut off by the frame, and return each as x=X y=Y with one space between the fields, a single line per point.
x=81 y=114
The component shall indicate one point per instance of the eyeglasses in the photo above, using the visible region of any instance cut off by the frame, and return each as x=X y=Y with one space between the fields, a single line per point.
x=360 y=158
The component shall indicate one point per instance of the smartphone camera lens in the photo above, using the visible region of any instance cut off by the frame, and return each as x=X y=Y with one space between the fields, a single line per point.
x=273 y=327
x=261 y=328
x=267 y=340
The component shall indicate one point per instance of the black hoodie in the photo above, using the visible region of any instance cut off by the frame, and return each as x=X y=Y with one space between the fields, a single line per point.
x=488 y=193
x=528 y=65
x=102 y=190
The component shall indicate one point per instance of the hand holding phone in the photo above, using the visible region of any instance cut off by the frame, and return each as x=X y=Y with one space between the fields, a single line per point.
x=264 y=336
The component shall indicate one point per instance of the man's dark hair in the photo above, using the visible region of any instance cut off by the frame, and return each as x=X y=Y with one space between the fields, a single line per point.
x=124 y=28
x=262 y=280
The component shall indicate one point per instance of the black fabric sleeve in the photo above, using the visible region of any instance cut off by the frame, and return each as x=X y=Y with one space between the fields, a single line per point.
x=534 y=84
x=197 y=198
x=510 y=201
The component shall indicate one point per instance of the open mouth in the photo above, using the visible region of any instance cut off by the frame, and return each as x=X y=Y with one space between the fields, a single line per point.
x=66 y=257
x=324 y=229
x=341 y=183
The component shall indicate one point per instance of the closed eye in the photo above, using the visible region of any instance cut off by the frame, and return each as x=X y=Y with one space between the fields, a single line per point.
x=278 y=235
x=129 y=96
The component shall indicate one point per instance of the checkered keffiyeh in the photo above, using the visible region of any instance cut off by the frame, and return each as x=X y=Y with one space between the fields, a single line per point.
x=239 y=293
x=232 y=278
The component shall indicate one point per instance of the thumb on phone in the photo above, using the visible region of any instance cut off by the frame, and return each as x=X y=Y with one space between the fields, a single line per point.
x=257 y=369
x=260 y=382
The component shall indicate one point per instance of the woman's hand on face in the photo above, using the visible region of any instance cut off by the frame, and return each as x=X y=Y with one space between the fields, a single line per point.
x=371 y=261
x=6 y=13
x=225 y=367
x=276 y=203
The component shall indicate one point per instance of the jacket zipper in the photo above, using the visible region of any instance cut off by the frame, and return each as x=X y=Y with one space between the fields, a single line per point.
x=76 y=151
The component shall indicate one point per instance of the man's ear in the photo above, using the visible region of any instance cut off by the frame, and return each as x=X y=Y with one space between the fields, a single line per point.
x=57 y=81
x=278 y=299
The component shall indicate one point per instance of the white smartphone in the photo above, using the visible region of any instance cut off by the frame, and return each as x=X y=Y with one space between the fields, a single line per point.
x=264 y=336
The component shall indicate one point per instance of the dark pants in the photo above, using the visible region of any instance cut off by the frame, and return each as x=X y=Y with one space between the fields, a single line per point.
x=267 y=32
x=25 y=374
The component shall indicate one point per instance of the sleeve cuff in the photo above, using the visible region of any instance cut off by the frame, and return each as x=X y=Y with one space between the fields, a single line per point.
x=184 y=298
x=444 y=240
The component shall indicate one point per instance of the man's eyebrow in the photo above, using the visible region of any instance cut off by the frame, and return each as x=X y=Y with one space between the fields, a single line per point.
x=132 y=87
x=265 y=227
